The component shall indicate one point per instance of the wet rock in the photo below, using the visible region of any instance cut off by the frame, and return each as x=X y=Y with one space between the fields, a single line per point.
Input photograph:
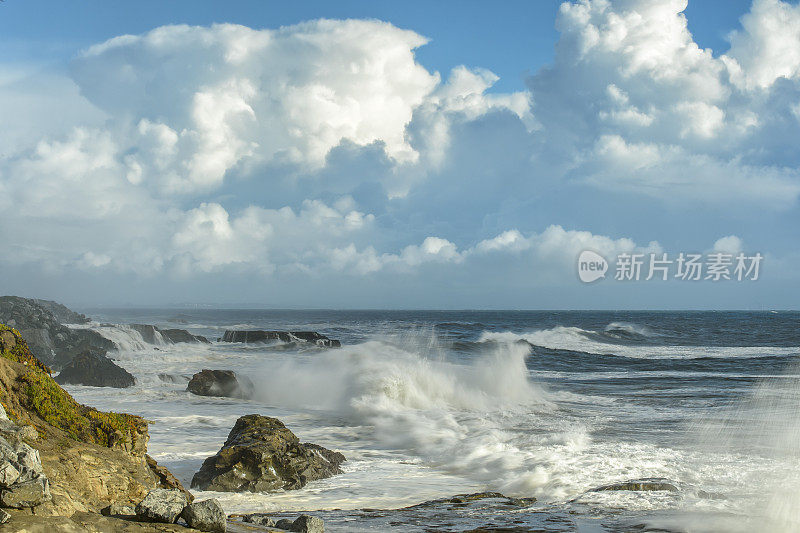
x=96 y=370
x=465 y=499
x=181 y=335
x=48 y=339
x=260 y=519
x=220 y=383
x=640 y=485
x=261 y=455
x=253 y=336
x=308 y=524
x=26 y=494
x=206 y=515
x=161 y=505
x=284 y=523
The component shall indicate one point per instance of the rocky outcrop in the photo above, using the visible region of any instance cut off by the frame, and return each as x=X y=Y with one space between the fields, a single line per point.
x=62 y=313
x=165 y=479
x=95 y=370
x=155 y=335
x=51 y=342
x=88 y=459
x=253 y=336
x=302 y=524
x=220 y=383
x=261 y=454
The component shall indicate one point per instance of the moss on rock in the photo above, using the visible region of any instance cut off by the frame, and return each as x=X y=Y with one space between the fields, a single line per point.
x=39 y=394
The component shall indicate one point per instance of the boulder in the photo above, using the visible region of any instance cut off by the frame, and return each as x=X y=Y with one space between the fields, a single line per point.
x=284 y=523
x=261 y=519
x=307 y=524
x=220 y=383
x=26 y=494
x=261 y=454
x=206 y=515
x=161 y=505
x=4 y=517
x=253 y=336
x=96 y=370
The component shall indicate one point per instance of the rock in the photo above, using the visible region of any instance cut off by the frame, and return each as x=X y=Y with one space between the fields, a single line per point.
x=640 y=485
x=27 y=494
x=308 y=524
x=284 y=523
x=206 y=515
x=156 y=335
x=260 y=519
x=165 y=479
x=253 y=336
x=4 y=517
x=161 y=505
x=40 y=322
x=62 y=313
x=8 y=474
x=96 y=370
x=181 y=335
x=118 y=509
x=260 y=455
x=220 y=383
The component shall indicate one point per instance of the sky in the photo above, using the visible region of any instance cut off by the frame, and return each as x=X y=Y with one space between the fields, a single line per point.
x=444 y=155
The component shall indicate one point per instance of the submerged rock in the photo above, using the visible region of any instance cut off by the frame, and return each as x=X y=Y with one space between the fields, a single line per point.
x=640 y=485
x=161 y=505
x=220 y=383
x=465 y=499
x=206 y=515
x=95 y=370
x=260 y=455
x=253 y=336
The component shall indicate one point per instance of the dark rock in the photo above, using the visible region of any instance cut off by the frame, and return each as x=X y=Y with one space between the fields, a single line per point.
x=260 y=519
x=165 y=479
x=253 y=336
x=640 y=485
x=62 y=313
x=51 y=342
x=308 y=524
x=206 y=515
x=284 y=523
x=466 y=499
x=181 y=335
x=161 y=505
x=260 y=455
x=220 y=383
x=26 y=494
x=96 y=370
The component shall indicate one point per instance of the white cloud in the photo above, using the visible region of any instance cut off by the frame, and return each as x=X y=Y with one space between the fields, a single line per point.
x=730 y=245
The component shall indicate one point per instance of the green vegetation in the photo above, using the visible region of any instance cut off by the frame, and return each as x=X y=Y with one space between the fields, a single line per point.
x=40 y=394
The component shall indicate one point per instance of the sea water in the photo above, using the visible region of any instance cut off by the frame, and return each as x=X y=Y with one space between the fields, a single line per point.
x=551 y=405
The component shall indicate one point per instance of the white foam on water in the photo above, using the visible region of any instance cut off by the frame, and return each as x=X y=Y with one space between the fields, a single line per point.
x=578 y=340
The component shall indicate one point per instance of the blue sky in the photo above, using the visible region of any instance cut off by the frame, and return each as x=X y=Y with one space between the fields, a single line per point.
x=436 y=155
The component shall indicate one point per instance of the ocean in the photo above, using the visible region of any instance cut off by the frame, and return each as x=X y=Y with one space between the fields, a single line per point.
x=536 y=404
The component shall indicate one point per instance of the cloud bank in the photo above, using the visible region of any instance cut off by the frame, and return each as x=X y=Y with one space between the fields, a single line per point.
x=326 y=150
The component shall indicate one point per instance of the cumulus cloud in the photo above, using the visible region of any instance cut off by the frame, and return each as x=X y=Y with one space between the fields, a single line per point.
x=326 y=147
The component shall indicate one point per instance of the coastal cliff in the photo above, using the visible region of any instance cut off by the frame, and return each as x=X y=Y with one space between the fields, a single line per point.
x=91 y=459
